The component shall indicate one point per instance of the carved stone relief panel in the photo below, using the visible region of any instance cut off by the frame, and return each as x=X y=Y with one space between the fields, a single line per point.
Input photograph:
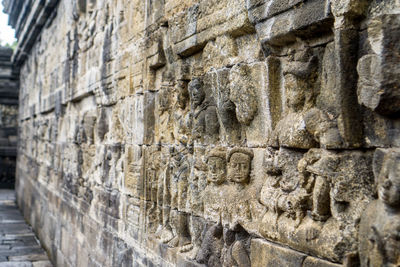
x=214 y=132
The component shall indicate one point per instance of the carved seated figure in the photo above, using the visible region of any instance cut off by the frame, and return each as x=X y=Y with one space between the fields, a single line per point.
x=303 y=125
x=379 y=234
x=291 y=129
x=317 y=168
x=224 y=247
x=282 y=193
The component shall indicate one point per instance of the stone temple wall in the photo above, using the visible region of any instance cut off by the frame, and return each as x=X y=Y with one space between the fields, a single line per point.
x=8 y=118
x=210 y=133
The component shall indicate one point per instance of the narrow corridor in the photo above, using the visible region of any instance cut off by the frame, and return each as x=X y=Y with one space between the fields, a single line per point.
x=18 y=245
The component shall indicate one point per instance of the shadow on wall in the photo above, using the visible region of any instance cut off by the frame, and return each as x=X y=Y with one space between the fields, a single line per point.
x=8 y=118
x=7 y=172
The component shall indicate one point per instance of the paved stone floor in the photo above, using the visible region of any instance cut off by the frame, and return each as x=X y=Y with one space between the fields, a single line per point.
x=18 y=245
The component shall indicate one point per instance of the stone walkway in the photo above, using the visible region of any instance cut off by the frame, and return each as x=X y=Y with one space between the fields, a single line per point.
x=18 y=244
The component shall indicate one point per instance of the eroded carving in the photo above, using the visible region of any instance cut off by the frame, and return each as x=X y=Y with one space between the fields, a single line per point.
x=284 y=191
x=182 y=116
x=299 y=76
x=223 y=246
x=205 y=121
x=243 y=93
x=379 y=242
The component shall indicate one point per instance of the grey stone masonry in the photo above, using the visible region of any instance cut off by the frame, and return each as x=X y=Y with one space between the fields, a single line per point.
x=210 y=132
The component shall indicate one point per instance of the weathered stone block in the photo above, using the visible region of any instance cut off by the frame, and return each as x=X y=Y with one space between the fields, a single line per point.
x=260 y=10
x=378 y=84
x=310 y=18
x=264 y=253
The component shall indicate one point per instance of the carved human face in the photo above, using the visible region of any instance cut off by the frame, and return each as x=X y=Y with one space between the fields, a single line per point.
x=197 y=94
x=216 y=170
x=389 y=184
x=239 y=168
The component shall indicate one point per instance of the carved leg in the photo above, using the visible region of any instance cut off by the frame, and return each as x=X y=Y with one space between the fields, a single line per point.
x=180 y=226
x=321 y=200
x=166 y=234
x=240 y=255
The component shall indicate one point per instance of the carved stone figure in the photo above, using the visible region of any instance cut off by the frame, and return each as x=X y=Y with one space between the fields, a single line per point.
x=164 y=231
x=379 y=236
x=376 y=90
x=284 y=192
x=214 y=194
x=178 y=189
x=205 y=121
x=291 y=129
x=239 y=165
x=303 y=125
x=182 y=116
x=89 y=122
x=235 y=242
x=153 y=172
x=318 y=169
x=109 y=165
x=218 y=83
x=270 y=193
x=164 y=116
x=240 y=189
x=194 y=202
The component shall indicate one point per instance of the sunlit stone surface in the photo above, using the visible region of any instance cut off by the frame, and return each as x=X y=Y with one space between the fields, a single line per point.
x=210 y=133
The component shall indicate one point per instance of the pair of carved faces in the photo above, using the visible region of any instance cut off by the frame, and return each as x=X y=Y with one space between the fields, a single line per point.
x=196 y=92
x=239 y=166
